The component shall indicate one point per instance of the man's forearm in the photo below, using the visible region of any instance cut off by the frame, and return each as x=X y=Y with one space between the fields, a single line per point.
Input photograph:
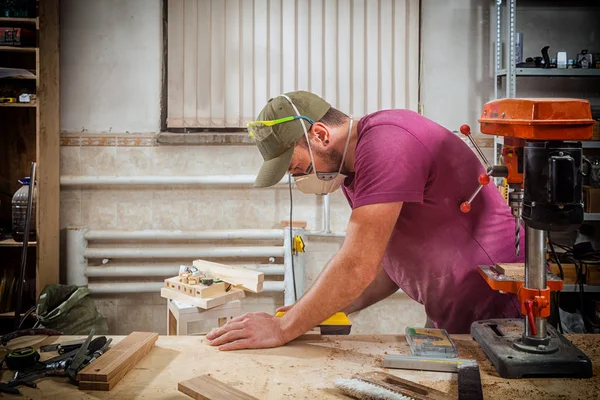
x=342 y=281
x=381 y=288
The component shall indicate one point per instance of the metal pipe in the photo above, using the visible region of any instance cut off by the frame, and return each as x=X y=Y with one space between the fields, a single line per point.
x=154 y=234
x=75 y=245
x=184 y=253
x=160 y=271
x=535 y=273
x=167 y=180
x=324 y=234
x=154 y=287
x=326 y=213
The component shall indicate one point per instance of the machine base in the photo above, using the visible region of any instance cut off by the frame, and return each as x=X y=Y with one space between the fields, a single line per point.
x=497 y=338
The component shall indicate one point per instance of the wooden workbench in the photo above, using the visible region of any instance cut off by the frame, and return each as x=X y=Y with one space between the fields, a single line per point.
x=303 y=369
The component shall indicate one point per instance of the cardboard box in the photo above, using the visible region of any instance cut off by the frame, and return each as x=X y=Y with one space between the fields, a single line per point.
x=596 y=131
x=591 y=199
x=593 y=275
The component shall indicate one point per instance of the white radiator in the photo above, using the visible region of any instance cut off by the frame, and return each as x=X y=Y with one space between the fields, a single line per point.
x=226 y=58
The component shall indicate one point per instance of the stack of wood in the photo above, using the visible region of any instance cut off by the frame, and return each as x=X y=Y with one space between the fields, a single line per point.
x=207 y=284
x=106 y=371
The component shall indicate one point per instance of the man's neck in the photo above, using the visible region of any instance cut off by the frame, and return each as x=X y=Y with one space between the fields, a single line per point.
x=349 y=160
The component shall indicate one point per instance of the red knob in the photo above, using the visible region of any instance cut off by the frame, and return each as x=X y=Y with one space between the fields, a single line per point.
x=484 y=179
x=465 y=130
x=465 y=207
x=529 y=309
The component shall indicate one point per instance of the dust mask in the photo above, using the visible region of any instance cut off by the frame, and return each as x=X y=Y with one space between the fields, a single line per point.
x=320 y=182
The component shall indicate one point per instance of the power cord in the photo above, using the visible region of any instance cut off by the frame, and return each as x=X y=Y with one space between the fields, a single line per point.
x=562 y=276
x=292 y=236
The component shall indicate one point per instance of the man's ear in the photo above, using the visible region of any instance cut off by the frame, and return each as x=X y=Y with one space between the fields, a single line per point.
x=319 y=133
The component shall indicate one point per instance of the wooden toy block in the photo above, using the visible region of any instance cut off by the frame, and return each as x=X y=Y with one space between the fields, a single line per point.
x=198 y=290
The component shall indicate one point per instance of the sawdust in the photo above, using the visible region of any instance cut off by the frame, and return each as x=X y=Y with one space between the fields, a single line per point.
x=449 y=387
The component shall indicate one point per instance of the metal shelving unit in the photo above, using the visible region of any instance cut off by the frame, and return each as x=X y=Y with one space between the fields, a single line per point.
x=575 y=288
x=506 y=77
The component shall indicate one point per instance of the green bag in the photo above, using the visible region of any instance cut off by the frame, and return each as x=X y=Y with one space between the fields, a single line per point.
x=69 y=309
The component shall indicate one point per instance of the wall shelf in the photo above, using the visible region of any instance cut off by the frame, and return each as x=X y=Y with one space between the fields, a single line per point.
x=591 y=216
x=575 y=288
x=21 y=20
x=549 y=72
x=18 y=49
x=32 y=104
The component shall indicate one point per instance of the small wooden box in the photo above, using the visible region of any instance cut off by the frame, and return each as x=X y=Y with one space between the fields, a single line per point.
x=596 y=131
x=591 y=199
x=593 y=275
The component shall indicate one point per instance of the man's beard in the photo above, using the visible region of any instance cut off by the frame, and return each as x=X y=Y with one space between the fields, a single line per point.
x=332 y=158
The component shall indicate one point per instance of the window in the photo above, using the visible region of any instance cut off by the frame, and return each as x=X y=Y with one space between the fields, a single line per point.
x=226 y=58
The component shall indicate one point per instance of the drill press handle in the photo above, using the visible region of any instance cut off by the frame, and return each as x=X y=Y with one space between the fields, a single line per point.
x=494 y=171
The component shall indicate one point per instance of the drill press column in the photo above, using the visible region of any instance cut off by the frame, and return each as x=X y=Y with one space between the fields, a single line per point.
x=535 y=274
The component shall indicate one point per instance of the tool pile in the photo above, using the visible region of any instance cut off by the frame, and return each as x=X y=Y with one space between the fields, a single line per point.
x=72 y=357
x=83 y=362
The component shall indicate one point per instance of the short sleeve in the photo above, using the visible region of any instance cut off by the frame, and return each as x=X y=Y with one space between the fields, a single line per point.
x=390 y=165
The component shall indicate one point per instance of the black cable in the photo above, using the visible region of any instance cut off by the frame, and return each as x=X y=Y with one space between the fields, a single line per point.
x=562 y=276
x=292 y=236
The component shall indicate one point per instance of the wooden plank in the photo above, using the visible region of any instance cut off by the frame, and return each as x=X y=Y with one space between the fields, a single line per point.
x=251 y=280
x=31 y=104
x=48 y=146
x=206 y=387
x=19 y=49
x=199 y=290
x=121 y=358
x=514 y=271
x=231 y=295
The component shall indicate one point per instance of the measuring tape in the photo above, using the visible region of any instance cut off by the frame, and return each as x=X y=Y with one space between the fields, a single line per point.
x=22 y=358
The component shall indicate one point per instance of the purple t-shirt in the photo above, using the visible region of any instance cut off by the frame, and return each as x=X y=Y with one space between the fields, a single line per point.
x=434 y=249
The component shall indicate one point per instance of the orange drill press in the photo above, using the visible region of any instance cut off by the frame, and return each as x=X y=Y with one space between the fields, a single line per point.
x=542 y=160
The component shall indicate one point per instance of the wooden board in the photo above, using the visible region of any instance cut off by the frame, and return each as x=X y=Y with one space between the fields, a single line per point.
x=248 y=279
x=118 y=360
x=514 y=271
x=207 y=303
x=48 y=146
x=206 y=387
x=199 y=290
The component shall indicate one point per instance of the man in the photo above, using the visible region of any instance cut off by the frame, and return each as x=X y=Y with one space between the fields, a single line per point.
x=404 y=177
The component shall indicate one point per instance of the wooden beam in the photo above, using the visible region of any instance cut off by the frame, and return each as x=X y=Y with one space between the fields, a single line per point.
x=48 y=146
x=205 y=303
x=248 y=279
x=206 y=387
x=117 y=361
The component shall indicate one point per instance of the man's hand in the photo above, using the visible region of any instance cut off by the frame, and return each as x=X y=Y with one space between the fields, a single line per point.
x=248 y=331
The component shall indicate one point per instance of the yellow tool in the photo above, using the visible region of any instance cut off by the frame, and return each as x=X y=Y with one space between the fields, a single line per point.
x=337 y=324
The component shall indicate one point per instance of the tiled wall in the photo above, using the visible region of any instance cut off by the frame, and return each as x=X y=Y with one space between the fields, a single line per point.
x=196 y=208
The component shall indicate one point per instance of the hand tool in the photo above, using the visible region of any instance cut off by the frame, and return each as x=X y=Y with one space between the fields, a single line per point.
x=337 y=324
x=63 y=347
x=544 y=157
x=382 y=386
x=22 y=358
x=79 y=358
x=469 y=379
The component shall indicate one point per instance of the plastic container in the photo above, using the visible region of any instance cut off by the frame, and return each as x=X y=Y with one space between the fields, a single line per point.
x=19 y=212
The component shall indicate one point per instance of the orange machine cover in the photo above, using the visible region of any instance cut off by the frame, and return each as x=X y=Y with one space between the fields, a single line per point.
x=538 y=119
